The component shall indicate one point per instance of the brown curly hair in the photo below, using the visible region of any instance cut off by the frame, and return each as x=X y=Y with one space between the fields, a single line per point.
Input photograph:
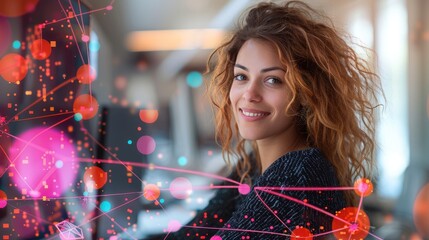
x=336 y=90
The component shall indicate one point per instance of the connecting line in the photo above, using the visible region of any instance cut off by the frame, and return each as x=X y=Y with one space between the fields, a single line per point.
x=265 y=204
x=41 y=98
x=303 y=203
x=103 y=214
x=116 y=223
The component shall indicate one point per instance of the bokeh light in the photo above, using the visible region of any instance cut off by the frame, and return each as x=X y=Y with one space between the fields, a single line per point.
x=40 y=49
x=146 y=145
x=3 y=199
x=77 y=117
x=13 y=67
x=151 y=192
x=105 y=206
x=16 y=44
x=86 y=74
x=6 y=35
x=301 y=233
x=86 y=105
x=216 y=237
x=94 y=177
x=94 y=46
x=148 y=116
x=35 y=153
x=194 y=79
x=356 y=229
x=174 y=226
x=181 y=188
x=17 y=8
x=182 y=161
x=363 y=187
x=421 y=211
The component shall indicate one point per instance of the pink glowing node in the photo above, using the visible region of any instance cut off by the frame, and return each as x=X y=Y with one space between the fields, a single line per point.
x=243 y=189
x=174 y=226
x=85 y=38
x=110 y=7
x=35 y=154
x=216 y=237
x=181 y=188
x=146 y=145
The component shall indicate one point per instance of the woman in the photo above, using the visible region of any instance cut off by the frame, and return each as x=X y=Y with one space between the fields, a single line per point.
x=287 y=86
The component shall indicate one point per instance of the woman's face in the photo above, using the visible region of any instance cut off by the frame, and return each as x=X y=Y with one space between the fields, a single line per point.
x=259 y=94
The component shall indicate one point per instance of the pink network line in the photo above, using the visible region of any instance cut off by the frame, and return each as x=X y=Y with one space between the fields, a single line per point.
x=115 y=222
x=52 y=91
x=152 y=166
x=101 y=215
x=43 y=116
x=77 y=197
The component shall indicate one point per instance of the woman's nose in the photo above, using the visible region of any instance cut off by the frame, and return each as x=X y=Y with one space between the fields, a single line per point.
x=252 y=93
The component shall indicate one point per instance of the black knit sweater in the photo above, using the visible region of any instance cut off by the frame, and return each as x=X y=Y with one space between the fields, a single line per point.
x=231 y=215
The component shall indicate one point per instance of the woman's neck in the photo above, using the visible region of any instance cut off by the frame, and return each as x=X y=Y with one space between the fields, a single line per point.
x=272 y=149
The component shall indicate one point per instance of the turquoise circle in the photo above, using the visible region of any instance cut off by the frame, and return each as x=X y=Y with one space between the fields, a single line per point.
x=105 y=206
x=78 y=117
x=182 y=161
x=194 y=79
x=16 y=44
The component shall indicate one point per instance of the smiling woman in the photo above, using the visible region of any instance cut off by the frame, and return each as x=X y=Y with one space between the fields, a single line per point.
x=289 y=86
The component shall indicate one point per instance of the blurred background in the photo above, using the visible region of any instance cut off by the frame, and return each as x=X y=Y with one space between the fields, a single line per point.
x=133 y=69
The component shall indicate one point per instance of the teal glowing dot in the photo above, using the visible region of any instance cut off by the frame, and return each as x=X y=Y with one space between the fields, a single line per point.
x=85 y=193
x=194 y=79
x=105 y=206
x=130 y=142
x=59 y=164
x=161 y=200
x=16 y=44
x=94 y=46
x=182 y=161
x=78 y=117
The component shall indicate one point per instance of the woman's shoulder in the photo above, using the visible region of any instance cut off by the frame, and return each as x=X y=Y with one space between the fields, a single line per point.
x=302 y=167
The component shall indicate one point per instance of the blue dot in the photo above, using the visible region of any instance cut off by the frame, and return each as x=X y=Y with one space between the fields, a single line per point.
x=105 y=206
x=182 y=161
x=16 y=44
x=85 y=193
x=78 y=117
x=94 y=46
x=130 y=142
x=161 y=200
x=194 y=79
x=59 y=164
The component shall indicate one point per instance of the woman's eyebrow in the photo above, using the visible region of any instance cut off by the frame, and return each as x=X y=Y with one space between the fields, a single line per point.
x=262 y=70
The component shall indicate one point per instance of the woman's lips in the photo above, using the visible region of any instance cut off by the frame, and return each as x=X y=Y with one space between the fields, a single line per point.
x=252 y=115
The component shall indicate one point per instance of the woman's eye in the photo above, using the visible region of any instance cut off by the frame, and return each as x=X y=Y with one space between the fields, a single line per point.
x=239 y=77
x=273 y=80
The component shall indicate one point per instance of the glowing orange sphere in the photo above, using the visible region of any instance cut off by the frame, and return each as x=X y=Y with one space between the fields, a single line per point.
x=86 y=74
x=357 y=227
x=40 y=49
x=95 y=177
x=13 y=67
x=301 y=234
x=363 y=187
x=151 y=192
x=86 y=105
x=421 y=211
x=148 y=116
x=17 y=8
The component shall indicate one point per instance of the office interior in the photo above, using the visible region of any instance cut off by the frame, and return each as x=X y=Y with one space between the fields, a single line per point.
x=147 y=125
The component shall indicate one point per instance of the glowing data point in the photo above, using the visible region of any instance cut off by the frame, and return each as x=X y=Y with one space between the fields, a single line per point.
x=363 y=187
x=151 y=192
x=3 y=199
x=351 y=224
x=301 y=233
x=243 y=189
x=105 y=206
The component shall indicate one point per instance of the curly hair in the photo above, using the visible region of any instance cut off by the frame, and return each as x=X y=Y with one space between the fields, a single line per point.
x=336 y=89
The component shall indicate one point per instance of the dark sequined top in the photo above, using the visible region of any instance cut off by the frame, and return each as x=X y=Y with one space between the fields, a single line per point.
x=272 y=209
